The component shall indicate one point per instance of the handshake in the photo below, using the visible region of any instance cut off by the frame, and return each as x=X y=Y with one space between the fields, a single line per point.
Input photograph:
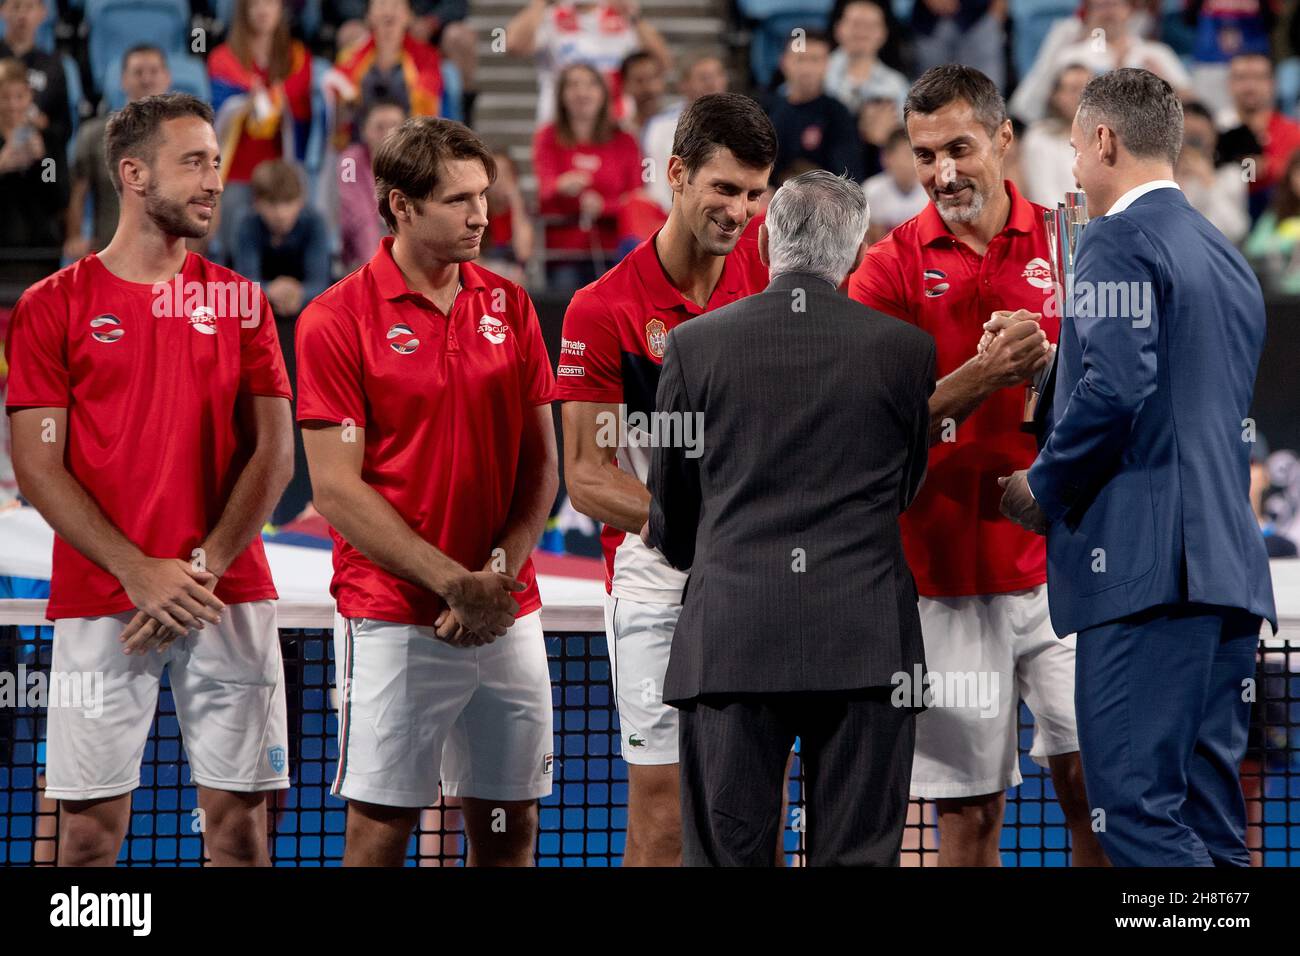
x=1013 y=348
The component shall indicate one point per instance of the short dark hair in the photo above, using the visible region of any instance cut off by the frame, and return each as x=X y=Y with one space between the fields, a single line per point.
x=378 y=103
x=133 y=130
x=897 y=137
x=724 y=121
x=810 y=35
x=942 y=85
x=411 y=158
x=276 y=180
x=1197 y=108
x=1142 y=109
x=140 y=49
x=632 y=59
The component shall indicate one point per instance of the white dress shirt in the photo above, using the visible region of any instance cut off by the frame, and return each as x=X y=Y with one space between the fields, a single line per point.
x=1126 y=200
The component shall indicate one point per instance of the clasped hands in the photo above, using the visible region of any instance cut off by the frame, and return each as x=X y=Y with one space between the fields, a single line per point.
x=1014 y=349
x=479 y=609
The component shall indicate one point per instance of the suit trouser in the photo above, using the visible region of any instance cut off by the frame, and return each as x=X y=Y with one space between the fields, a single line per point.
x=1163 y=713
x=856 y=749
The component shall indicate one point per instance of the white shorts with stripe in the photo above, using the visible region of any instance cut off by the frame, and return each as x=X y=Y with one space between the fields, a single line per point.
x=415 y=711
x=993 y=650
x=227 y=682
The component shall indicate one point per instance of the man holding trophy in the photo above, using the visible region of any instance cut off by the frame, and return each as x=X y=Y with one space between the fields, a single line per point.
x=1142 y=488
x=972 y=270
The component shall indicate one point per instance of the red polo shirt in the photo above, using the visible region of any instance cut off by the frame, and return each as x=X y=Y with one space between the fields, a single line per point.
x=956 y=540
x=442 y=400
x=613 y=347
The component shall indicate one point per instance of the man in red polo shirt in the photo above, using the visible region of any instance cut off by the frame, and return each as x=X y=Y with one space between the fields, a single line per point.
x=424 y=396
x=151 y=429
x=614 y=336
x=975 y=260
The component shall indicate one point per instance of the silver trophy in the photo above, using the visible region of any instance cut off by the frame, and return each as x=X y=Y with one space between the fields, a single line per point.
x=1064 y=230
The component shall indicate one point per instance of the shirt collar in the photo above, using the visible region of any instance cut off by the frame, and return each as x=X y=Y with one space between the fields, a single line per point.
x=1126 y=200
x=931 y=227
x=663 y=294
x=392 y=284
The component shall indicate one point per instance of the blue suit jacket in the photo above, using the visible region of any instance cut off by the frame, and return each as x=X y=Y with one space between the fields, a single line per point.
x=1144 y=472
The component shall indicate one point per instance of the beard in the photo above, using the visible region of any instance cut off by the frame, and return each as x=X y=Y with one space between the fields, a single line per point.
x=968 y=212
x=170 y=216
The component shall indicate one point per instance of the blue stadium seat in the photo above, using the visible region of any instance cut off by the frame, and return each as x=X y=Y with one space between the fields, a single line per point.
x=1032 y=19
x=189 y=75
x=322 y=120
x=72 y=80
x=117 y=25
x=774 y=20
x=1288 y=86
x=453 y=90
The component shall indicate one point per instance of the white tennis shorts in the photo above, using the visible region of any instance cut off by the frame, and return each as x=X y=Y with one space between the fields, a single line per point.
x=414 y=711
x=227 y=682
x=990 y=651
x=640 y=637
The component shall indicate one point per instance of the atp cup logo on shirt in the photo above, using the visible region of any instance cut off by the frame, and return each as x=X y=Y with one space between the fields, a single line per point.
x=402 y=340
x=106 y=328
x=1038 y=273
x=204 y=320
x=494 y=330
x=934 y=282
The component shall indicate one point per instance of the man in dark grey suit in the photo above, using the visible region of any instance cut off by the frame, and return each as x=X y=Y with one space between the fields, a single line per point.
x=810 y=419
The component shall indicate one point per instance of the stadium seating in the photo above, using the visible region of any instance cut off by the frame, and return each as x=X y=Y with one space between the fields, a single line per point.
x=189 y=75
x=117 y=25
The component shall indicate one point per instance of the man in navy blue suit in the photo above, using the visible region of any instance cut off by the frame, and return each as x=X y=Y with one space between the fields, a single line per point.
x=1142 y=488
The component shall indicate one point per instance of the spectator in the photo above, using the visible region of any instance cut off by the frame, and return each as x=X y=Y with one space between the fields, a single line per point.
x=1274 y=243
x=810 y=125
x=855 y=73
x=1105 y=38
x=360 y=225
x=437 y=22
x=52 y=116
x=1277 y=544
x=1224 y=29
x=261 y=93
x=601 y=34
x=508 y=242
x=894 y=195
x=702 y=72
x=284 y=245
x=587 y=168
x=32 y=195
x=1264 y=138
x=643 y=79
x=391 y=64
x=1217 y=192
x=877 y=119
x=1046 y=143
x=969 y=32
x=144 y=73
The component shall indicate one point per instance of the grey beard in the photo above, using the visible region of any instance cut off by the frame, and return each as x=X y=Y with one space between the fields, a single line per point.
x=963 y=214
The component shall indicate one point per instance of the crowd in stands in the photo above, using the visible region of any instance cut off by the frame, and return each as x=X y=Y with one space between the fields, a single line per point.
x=304 y=91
